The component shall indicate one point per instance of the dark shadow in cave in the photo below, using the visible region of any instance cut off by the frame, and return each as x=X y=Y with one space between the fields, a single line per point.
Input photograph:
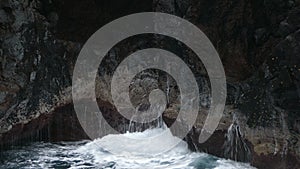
x=79 y=19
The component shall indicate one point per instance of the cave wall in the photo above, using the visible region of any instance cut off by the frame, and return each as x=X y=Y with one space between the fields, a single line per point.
x=258 y=42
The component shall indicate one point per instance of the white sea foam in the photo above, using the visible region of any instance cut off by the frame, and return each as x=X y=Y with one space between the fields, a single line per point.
x=138 y=150
x=132 y=155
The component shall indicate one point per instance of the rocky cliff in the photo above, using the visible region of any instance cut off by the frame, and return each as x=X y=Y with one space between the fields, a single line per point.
x=257 y=40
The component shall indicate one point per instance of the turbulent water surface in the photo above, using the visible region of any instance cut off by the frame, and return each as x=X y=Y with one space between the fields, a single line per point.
x=94 y=154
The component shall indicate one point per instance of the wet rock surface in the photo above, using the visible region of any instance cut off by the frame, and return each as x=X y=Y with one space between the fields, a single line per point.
x=258 y=42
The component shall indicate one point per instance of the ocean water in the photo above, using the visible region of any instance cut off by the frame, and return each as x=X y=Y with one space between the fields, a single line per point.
x=126 y=154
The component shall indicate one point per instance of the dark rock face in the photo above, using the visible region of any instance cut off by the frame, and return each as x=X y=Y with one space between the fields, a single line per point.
x=257 y=40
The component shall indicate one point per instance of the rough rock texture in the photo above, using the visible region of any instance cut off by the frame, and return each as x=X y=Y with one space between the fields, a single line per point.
x=257 y=40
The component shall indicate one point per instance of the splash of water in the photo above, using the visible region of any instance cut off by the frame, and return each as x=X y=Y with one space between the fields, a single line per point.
x=140 y=154
x=91 y=154
x=235 y=146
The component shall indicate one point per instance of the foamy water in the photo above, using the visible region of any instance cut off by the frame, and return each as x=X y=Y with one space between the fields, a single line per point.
x=139 y=154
